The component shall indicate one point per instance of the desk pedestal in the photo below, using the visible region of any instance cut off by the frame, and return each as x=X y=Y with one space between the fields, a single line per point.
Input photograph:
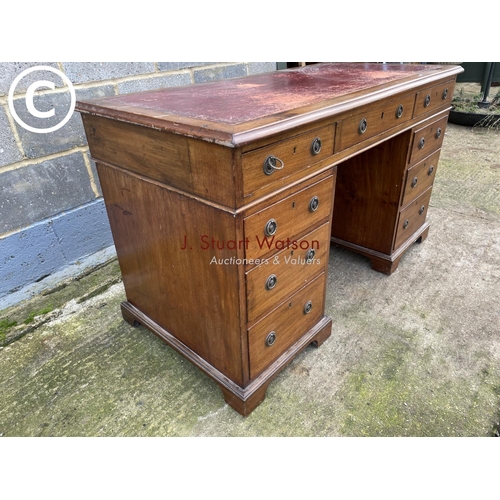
x=383 y=194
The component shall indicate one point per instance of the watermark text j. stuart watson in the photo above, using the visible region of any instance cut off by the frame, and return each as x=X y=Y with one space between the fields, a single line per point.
x=211 y=243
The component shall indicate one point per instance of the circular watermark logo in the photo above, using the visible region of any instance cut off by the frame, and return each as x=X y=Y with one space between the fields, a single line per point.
x=30 y=105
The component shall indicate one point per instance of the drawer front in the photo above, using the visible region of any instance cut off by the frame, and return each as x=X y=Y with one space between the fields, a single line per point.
x=412 y=217
x=435 y=97
x=376 y=119
x=427 y=139
x=285 y=272
x=275 y=333
x=290 y=217
x=272 y=163
x=420 y=177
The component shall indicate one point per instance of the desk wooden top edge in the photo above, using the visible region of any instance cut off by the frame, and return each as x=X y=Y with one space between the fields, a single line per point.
x=240 y=134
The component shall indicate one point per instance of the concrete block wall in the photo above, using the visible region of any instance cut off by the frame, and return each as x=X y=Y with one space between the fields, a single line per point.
x=52 y=213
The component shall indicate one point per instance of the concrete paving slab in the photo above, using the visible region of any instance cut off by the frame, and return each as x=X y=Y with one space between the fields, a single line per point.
x=412 y=354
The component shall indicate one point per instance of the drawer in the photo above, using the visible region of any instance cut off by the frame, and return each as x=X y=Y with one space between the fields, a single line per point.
x=427 y=139
x=265 y=231
x=412 y=217
x=288 y=270
x=280 y=329
x=272 y=163
x=376 y=119
x=420 y=177
x=433 y=98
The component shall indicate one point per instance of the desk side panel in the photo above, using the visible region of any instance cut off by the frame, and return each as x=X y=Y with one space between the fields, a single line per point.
x=168 y=274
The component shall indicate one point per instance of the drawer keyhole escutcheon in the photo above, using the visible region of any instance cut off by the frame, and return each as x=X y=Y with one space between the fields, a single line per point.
x=422 y=210
x=421 y=143
x=270 y=339
x=405 y=225
x=271 y=282
x=414 y=182
x=399 y=111
x=438 y=133
x=363 y=125
x=427 y=100
x=445 y=93
x=431 y=169
x=271 y=164
x=310 y=254
x=308 y=307
x=316 y=146
x=314 y=204
x=271 y=227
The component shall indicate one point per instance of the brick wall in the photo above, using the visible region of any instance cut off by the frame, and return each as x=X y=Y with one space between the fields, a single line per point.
x=51 y=210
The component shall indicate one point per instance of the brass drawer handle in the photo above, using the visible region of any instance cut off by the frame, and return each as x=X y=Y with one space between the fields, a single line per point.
x=308 y=307
x=270 y=339
x=399 y=111
x=314 y=204
x=405 y=225
x=421 y=143
x=414 y=182
x=363 y=125
x=427 y=100
x=271 y=227
x=431 y=169
x=271 y=282
x=316 y=146
x=438 y=133
x=445 y=93
x=310 y=254
x=422 y=210
x=271 y=164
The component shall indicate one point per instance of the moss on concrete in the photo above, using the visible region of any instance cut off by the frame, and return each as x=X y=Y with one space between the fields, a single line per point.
x=88 y=373
x=18 y=320
x=5 y=324
x=60 y=294
x=40 y=312
x=402 y=392
x=75 y=378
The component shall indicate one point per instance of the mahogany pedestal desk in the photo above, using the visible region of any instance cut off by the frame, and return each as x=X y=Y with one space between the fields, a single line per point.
x=220 y=198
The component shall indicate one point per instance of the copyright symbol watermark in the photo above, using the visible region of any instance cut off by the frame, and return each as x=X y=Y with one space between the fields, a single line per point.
x=46 y=118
